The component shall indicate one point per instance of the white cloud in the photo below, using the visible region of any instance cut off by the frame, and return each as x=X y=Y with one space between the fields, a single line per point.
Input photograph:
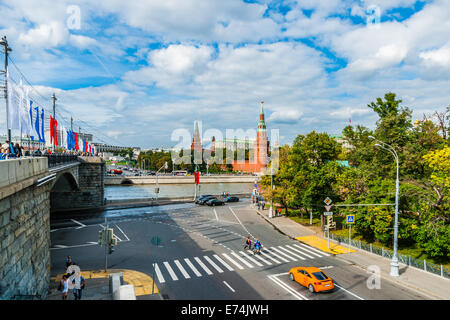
x=53 y=33
x=439 y=57
x=286 y=116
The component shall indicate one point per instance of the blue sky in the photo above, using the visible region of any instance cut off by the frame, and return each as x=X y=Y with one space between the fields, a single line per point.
x=135 y=71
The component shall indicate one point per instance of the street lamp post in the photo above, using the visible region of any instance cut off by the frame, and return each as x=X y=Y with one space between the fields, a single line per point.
x=394 y=264
x=157 y=187
x=271 y=191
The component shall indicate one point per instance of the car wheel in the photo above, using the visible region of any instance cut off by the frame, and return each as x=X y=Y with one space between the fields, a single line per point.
x=311 y=288
x=291 y=276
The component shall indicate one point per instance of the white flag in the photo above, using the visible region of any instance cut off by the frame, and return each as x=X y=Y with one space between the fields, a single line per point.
x=63 y=140
x=25 y=123
x=13 y=106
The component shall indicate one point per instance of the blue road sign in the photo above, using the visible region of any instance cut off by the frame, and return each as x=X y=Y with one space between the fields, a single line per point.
x=350 y=218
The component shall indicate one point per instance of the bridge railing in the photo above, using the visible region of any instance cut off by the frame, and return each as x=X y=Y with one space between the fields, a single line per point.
x=55 y=160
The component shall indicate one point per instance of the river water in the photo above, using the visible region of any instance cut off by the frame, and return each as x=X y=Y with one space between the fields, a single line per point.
x=121 y=192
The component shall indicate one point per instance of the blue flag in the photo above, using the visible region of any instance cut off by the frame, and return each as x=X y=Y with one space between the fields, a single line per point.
x=36 y=124
x=31 y=118
x=42 y=125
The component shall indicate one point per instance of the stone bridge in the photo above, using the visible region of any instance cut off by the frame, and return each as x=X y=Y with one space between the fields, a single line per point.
x=31 y=189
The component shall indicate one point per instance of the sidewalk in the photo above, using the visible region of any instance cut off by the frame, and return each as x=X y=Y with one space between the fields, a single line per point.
x=97 y=285
x=431 y=285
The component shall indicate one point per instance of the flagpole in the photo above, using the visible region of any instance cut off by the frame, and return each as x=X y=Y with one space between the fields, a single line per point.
x=7 y=49
x=54 y=119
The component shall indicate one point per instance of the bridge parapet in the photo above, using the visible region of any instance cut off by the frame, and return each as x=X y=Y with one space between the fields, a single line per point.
x=17 y=170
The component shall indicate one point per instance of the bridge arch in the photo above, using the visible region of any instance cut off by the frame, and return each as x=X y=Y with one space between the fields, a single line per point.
x=66 y=182
x=126 y=181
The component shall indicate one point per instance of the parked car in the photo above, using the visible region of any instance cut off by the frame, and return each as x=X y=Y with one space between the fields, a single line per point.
x=231 y=199
x=203 y=196
x=312 y=278
x=202 y=200
x=214 y=202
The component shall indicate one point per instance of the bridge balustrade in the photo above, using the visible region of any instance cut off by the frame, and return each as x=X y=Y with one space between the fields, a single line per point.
x=55 y=160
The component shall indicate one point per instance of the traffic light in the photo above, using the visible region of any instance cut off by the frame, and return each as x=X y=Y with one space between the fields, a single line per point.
x=110 y=249
x=109 y=235
x=101 y=237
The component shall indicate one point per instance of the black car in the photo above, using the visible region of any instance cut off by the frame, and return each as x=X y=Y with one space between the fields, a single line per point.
x=204 y=199
x=214 y=202
x=231 y=199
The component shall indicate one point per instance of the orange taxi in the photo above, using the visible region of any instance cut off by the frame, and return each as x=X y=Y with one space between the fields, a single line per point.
x=312 y=278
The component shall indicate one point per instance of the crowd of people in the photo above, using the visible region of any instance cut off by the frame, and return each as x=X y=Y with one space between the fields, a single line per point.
x=73 y=274
x=9 y=150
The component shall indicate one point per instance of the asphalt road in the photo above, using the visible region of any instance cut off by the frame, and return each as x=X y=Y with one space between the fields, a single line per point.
x=201 y=255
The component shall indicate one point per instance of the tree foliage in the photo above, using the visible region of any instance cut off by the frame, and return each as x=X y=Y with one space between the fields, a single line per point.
x=309 y=172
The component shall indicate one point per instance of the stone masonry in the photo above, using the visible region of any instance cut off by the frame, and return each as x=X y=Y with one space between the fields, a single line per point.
x=91 y=194
x=24 y=229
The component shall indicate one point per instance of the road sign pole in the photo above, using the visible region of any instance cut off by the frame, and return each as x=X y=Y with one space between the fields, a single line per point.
x=328 y=230
x=153 y=276
x=349 y=236
x=310 y=216
x=106 y=246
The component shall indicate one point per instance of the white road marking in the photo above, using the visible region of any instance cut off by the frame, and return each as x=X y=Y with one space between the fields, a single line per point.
x=122 y=232
x=349 y=292
x=194 y=269
x=270 y=257
x=78 y=246
x=180 y=267
x=276 y=255
x=203 y=265
x=229 y=286
x=169 y=268
x=223 y=262
x=251 y=259
x=240 y=222
x=262 y=259
x=314 y=249
x=158 y=273
x=217 y=218
x=242 y=260
x=283 y=253
x=77 y=222
x=305 y=249
x=294 y=254
x=213 y=264
x=232 y=261
x=301 y=252
x=286 y=287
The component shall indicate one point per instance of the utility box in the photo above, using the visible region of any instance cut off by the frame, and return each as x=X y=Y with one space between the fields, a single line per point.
x=115 y=281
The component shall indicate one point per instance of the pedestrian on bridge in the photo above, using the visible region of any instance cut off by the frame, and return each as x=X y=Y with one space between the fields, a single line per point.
x=64 y=286
x=79 y=284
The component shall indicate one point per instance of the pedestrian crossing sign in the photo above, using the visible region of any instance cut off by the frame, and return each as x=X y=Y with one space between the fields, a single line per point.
x=350 y=218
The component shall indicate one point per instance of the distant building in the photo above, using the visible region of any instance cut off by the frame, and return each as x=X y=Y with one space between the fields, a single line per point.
x=257 y=147
x=341 y=140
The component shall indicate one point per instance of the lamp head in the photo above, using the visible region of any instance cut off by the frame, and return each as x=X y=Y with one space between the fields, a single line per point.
x=377 y=145
x=372 y=137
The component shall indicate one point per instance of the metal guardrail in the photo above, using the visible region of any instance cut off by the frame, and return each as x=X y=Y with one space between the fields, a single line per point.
x=408 y=260
x=59 y=159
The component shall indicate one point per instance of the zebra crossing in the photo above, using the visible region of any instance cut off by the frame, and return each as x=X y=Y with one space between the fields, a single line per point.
x=198 y=266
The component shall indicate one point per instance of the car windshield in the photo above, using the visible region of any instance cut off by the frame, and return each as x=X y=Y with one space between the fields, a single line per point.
x=320 y=275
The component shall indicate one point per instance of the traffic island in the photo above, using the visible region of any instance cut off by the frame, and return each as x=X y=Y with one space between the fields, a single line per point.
x=99 y=286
